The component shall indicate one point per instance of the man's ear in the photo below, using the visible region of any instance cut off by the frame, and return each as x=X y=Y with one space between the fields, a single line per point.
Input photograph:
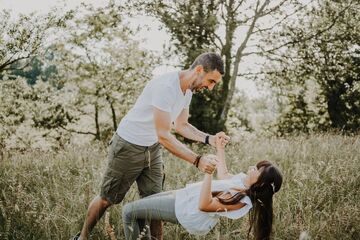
x=199 y=69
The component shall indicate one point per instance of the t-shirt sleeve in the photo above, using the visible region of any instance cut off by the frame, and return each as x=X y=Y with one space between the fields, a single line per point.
x=188 y=99
x=162 y=97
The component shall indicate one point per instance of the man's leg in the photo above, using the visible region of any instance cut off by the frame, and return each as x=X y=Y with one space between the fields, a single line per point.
x=156 y=229
x=156 y=226
x=124 y=166
x=96 y=209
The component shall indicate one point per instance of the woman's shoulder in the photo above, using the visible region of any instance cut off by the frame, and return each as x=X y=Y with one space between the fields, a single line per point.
x=220 y=185
x=240 y=175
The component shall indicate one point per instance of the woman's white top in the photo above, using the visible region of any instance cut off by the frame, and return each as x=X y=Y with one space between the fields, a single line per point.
x=199 y=222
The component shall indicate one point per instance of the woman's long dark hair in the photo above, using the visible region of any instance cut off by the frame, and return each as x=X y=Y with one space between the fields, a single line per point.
x=260 y=193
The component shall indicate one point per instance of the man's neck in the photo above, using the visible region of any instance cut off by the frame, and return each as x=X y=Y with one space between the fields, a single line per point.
x=186 y=79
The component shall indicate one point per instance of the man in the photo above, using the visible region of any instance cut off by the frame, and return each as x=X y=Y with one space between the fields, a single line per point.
x=135 y=149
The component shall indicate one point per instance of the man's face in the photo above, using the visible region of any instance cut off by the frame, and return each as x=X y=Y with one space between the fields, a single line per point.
x=205 y=80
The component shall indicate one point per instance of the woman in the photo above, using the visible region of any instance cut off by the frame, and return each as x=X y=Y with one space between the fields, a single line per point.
x=198 y=206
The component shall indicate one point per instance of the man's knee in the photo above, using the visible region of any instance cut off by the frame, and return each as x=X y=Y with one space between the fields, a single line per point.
x=105 y=202
x=101 y=202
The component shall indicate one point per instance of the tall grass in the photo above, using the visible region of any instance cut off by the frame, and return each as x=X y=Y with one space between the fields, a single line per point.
x=44 y=195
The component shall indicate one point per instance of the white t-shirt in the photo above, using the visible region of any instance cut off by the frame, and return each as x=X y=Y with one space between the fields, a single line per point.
x=199 y=222
x=164 y=93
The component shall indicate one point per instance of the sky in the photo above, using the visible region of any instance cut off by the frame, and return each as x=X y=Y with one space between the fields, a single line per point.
x=154 y=38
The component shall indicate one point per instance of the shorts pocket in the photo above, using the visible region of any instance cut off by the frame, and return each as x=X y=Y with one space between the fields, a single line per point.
x=113 y=187
x=117 y=145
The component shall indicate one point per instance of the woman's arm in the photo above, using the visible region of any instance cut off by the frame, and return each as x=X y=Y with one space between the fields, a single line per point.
x=222 y=171
x=207 y=203
x=205 y=194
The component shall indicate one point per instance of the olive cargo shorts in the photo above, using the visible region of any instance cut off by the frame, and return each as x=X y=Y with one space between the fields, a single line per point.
x=128 y=163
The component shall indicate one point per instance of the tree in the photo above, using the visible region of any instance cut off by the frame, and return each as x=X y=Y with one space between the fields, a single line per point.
x=210 y=25
x=103 y=65
x=24 y=39
x=32 y=113
x=22 y=46
x=13 y=109
x=239 y=115
x=99 y=71
x=321 y=69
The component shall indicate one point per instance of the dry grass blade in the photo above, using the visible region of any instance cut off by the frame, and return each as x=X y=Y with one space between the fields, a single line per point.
x=108 y=228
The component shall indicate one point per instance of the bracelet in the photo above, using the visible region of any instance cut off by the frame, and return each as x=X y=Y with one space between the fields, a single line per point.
x=207 y=139
x=197 y=160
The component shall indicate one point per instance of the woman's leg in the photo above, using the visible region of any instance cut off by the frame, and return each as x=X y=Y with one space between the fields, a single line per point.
x=159 y=206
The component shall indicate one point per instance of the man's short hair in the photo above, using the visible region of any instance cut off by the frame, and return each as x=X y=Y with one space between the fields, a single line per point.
x=210 y=62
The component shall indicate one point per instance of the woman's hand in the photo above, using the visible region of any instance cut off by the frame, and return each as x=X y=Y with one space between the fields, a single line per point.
x=220 y=141
x=212 y=138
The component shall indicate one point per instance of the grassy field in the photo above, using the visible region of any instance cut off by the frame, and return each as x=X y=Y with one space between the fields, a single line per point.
x=44 y=195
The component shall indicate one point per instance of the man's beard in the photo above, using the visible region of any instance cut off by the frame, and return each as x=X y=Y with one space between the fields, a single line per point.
x=197 y=87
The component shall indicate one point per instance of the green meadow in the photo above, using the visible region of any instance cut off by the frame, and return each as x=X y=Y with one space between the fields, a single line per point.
x=44 y=195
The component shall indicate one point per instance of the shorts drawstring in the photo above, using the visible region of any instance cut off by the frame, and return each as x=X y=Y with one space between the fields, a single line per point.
x=149 y=158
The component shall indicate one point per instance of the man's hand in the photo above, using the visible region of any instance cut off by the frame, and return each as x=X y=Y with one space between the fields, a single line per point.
x=212 y=139
x=208 y=163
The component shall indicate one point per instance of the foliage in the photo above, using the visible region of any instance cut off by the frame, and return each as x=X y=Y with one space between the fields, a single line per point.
x=318 y=75
x=23 y=39
x=227 y=27
x=13 y=109
x=23 y=47
x=100 y=70
x=36 y=69
x=104 y=65
x=239 y=116
x=29 y=114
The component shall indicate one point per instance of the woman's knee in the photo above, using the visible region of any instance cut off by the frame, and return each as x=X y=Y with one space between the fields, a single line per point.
x=127 y=212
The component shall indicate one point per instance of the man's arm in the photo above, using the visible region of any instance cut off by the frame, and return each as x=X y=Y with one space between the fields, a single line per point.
x=162 y=121
x=185 y=129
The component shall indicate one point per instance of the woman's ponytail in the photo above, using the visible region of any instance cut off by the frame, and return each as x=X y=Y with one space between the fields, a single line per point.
x=261 y=195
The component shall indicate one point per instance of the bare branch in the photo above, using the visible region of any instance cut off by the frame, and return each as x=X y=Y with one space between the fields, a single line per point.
x=222 y=14
x=256 y=8
x=283 y=19
x=239 y=5
x=78 y=132
x=244 y=21
x=3 y=66
x=218 y=38
x=271 y=10
x=22 y=67
x=255 y=74
x=318 y=33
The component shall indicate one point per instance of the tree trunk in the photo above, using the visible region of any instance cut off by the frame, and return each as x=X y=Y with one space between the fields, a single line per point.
x=113 y=115
x=336 y=106
x=226 y=52
x=97 y=125
x=238 y=56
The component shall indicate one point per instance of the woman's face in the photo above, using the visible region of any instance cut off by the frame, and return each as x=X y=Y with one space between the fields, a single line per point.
x=253 y=174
